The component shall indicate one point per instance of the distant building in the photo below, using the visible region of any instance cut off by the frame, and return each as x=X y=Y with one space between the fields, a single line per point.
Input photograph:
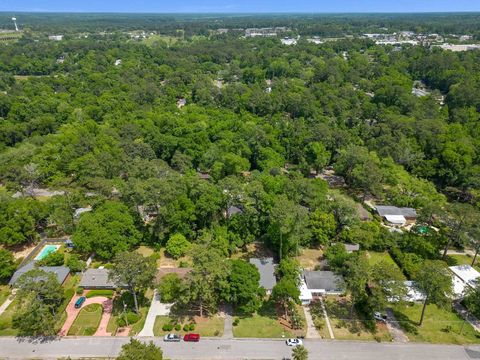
x=465 y=277
x=397 y=216
x=350 y=248
x=266 y=268
x=118 y=62
x=233 y=210
x=55 y=37
x=61 y=272
x=289 y=41
x=317 y=283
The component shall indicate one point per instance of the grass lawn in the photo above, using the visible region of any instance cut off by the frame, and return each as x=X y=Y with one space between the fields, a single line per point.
x=100 y=292
x=166 y=260
x=349 y=326
x=466 y=259
x=264 y=324
x=206 y=326
x=4 y=293
x=87 y=320
x=169 y=40
x=310 y=258
x=253 y=250
x=6 y=321
x=145 y=251
x=440 y=326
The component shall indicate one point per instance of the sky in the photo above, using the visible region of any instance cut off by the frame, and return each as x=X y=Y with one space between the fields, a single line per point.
x=239 y=6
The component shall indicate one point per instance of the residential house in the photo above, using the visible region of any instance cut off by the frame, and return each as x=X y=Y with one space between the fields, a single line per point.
x=398 y=216
x=317 y=283
x=97 y=279
x=61 y=272
x=464 y=277
x=266 y=268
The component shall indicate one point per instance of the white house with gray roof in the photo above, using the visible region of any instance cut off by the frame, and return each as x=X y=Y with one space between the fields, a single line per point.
x=97 y=279
x=397 y=215
x=61 y=272
x=318 y=283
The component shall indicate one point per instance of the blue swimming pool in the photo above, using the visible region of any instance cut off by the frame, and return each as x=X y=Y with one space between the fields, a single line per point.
x=47 y=249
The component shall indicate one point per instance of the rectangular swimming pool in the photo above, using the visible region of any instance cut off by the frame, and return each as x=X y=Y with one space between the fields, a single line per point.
x=47 y=249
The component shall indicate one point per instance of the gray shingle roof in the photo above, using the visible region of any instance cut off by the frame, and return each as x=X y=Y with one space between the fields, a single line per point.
x=325 y=280
x=96 y=279
x=393 y=210
x=266 y=268
x=61 y=272
x=232 y=210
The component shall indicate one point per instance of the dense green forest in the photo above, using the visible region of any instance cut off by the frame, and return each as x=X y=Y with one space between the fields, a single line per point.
x=261 y=120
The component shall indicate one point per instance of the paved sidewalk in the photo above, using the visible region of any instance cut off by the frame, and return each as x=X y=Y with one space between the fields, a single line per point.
x=327 y=320
x=471 y=319
x=228 y=325
x=156 y=309
x=6 y=304
x=395 y=329
x=312 y=332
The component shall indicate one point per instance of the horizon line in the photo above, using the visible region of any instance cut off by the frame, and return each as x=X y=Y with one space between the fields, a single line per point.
x=239 y=13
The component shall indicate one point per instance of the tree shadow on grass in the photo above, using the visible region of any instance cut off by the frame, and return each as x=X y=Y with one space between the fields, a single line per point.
x=405 y=322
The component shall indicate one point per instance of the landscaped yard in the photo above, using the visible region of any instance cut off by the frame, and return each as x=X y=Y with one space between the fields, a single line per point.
x=310 y=258
x=6 y=321
x=87 y=320
x=440 y=326
x=206 y=326
x=4 y=293
x=346 y=325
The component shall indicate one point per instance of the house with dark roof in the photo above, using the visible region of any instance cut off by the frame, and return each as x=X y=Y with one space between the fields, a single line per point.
x=97 y=279
x=317 y=283
x=232 y=211
x=61 y=272
x=266 y=268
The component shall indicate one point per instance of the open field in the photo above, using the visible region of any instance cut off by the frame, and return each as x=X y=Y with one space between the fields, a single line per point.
x=440 y=326
x=462 y=260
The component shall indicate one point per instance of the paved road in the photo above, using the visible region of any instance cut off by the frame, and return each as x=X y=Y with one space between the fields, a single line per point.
x=11 y=348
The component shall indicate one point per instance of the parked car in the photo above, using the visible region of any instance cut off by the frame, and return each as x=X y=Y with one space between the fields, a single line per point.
x=294 y=342
x=379 y=316
x=191 y=337
x=172 y=338
x=79 y=302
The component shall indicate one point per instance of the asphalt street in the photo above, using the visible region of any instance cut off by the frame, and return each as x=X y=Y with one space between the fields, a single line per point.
x=13 y=348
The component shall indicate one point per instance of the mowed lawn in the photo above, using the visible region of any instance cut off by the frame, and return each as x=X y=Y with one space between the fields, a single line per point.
x=207 y=326
x=4 y=293
x=6 y=321
x=87 y=320
x=377 y=257
x=258 y=326
x=453 y=260
x=440 y=326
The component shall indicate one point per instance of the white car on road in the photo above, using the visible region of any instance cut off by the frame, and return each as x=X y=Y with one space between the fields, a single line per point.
x=294 y=342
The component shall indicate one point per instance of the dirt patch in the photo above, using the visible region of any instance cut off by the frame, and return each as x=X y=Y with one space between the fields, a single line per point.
x=310 y=258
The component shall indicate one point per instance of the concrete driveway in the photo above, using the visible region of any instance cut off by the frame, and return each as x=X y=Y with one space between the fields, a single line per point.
x=156 y=309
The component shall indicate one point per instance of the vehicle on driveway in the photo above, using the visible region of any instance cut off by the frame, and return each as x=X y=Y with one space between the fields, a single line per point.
x=172 y=338
x=294 y=342
x=191 y=337
x=379 y=316
x=79 y=302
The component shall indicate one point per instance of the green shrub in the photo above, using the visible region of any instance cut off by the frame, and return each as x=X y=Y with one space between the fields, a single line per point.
x=79 y=291
x=130 y=316
x=186 y=327
x=178 y=327
x=236 y=321
x=100 y=292
x=192 y=327
x=216 y=333
x=167 y=327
